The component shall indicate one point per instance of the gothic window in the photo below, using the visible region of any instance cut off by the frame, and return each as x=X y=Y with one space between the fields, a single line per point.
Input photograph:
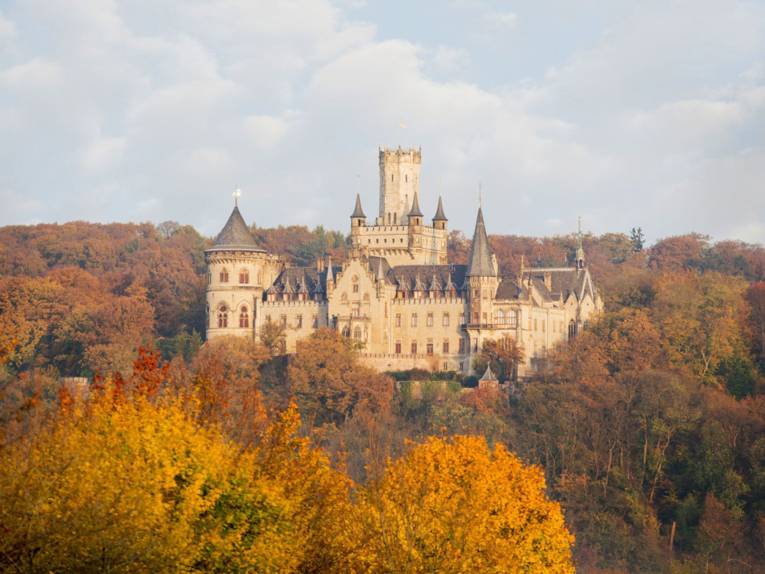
x=414 y=319
x=446 y=366
x=485 y=318
x=244 y=276
x=445 y=320
x=429 y=348
x=535 y=324
x=429 y=320
x=475 y=316
x=346 y=331
x=222 y=317
x=500 y=317
x=223 y=275
x=543 y=325
x=355 y=288
x=446 y=347
x=398 y=319
x=244 y=317
x=571 y=329
x=414 y=347
x=406 y=178
x=357 y=333
x=299 y=321
x=268 y=318
x=398 y=347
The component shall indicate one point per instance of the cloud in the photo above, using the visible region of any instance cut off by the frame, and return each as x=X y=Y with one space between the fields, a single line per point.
x=654 y=116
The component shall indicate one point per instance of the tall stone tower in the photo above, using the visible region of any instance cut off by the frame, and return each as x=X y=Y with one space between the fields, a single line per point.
x=399 y=182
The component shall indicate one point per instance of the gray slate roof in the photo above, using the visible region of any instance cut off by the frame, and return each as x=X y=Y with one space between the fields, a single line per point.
x=479 y=262
x=415 y=211
x=235 y=235
x=357 y=211
x=439 y=216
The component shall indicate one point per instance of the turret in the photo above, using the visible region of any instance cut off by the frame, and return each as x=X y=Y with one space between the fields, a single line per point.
x=482 y=277
x=415 y=214
x=579 y=247
x=399 y=182
x=358 y=218
x=439 y=219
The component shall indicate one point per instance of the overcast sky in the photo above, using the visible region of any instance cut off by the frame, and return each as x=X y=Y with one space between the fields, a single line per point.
x=629 y=114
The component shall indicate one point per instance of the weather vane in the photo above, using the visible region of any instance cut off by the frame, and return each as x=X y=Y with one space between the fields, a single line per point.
x=236 y=195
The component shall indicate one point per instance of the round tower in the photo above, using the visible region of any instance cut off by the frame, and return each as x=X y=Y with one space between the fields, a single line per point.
x=237 y=269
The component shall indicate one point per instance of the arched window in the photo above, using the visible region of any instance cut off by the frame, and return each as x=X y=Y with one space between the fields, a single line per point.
x=244 y=317
x=501 y=317
x=224 y=275
x=244 y=276
x=222 y=317
x=571 y=329
x=357 y=333
x=346 y=331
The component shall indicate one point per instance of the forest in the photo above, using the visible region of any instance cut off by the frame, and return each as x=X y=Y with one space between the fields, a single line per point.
x=639 y=447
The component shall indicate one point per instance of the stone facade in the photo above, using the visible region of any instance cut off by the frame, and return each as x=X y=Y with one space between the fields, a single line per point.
x=396 y=294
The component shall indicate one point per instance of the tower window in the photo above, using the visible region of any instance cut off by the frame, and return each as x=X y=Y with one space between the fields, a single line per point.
x=244 y=276
x=446 y=347
x=223 y=275
x=414 y=319
x=429 y=348
x=414 y=347
x=445 y=320
x=357 y=333
x=244 y=317
x=299 y=321
x=398 y=347
x=429 y=320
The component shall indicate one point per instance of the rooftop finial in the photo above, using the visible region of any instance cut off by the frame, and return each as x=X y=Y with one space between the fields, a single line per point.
x=480 y=196
x=236 y=195
x=579 y=246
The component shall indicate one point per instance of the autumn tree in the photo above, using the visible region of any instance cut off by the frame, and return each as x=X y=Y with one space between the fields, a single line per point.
x=460 y=506
x=503 y=355
x=330 y=384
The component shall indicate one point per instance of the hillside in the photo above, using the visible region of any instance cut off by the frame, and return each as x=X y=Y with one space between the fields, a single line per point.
x=650 y=427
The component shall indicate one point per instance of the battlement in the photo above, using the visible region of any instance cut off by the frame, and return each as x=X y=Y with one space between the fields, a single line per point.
x=400 y=154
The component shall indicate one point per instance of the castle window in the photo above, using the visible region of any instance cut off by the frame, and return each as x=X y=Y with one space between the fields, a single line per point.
x=429 y=320
x=222 y=317
x=414 y=347
x=535 y=324
x=223 y=275
x=429 y=348
x=475 y=316
x=446 y=347
x=398 y=319
x=244 y=317
x=406 y=178
x=315 y=322
x=244 y=276
x=268 y=318
x=344 y=297
x=283 y=320
x=462 y=345
x=543 y=325
x=299 y=321
x=391 y=177
x=485 y=318
x=394 y=220
x=414 y=320
x=346 y=332
x=398 y=347
x=355 y=288
x=571 y=329
x=357 y=333
x=446 y=366
x=500 y=317
x=445 y=320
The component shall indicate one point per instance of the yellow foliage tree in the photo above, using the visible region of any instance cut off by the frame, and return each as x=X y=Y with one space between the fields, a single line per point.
x=459 y=506
x=122 y=485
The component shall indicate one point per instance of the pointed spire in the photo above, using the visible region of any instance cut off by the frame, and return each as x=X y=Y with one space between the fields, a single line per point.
x=439 y=216
x=579 y=246
x=302 y=288
x=415 y=211
x=480 y=263
x=357 y=211
x=235 y=235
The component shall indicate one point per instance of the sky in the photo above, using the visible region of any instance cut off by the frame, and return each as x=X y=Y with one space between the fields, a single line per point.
x=627 y=114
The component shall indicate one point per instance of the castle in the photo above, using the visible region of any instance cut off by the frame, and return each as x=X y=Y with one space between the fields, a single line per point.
x=397 y=295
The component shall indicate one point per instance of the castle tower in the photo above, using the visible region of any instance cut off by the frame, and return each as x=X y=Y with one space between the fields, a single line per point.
x=481 y=282
x=399 y=183
x=439 y=219
x=237 y=270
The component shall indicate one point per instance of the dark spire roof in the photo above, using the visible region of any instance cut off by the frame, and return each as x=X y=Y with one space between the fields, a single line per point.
x=415 y=211
x=480 y=261
x=357 y=211
x=488 y=375
x=439 y=216
x=235 y=235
